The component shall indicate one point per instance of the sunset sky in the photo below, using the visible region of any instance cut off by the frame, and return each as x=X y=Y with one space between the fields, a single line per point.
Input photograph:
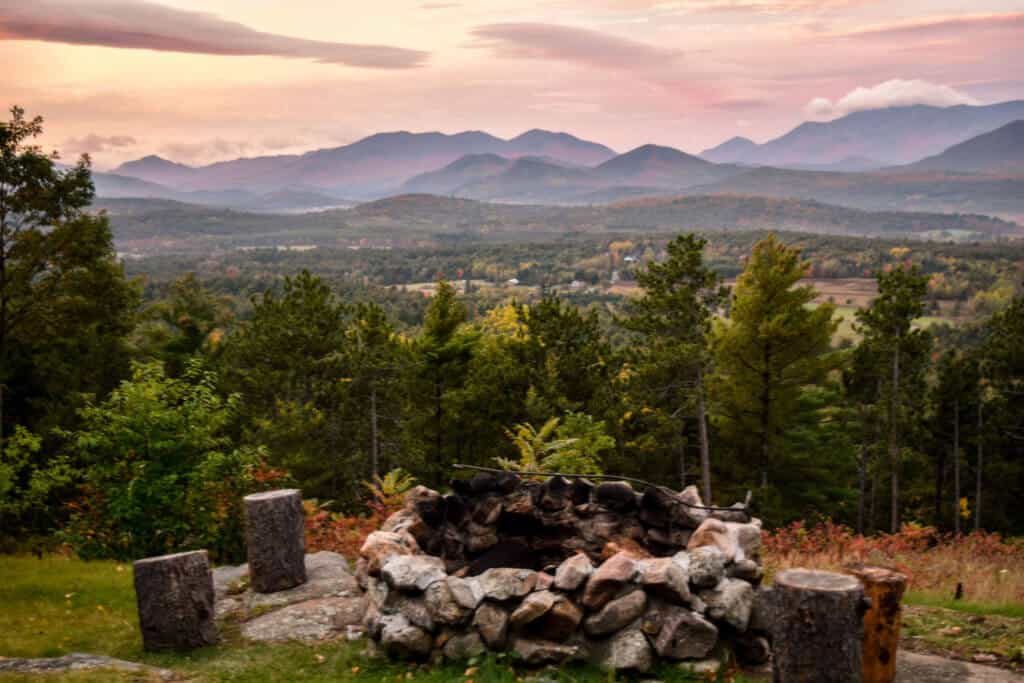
x=204 y=80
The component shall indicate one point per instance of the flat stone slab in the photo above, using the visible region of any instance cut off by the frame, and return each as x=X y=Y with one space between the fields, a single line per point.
x=912 y=667
x=318 y=619
x=329 y=576
x=78 y=661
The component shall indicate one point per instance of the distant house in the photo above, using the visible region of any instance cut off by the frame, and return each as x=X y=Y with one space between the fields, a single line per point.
x=630 y=259
x=512 y=281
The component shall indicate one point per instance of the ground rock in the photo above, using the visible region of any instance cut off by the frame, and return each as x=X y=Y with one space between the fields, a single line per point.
x=462 y=646
x=317 y=619
x=573 y=572
x=731 y=602
x=616 y=614
x=627 y=650
x=504 y=584
x=401 y=638
x=534 y=606
x=78 y=661
x=606 y=581
x=412 y=572
x=539 y=652
x=491 y=621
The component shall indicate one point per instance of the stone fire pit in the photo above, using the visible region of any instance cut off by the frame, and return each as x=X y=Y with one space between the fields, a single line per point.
x=564 y=570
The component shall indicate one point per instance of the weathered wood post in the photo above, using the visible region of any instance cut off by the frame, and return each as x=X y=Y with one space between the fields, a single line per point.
x=174 y=594
x=275 y=540
x=817 y=629
x=884 y=587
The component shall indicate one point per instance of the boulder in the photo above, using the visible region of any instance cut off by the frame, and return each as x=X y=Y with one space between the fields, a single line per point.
x=730 y=602
x=379 y=546
x=555 y=493
x=408 y=521
x=608 y=579
x=401 y=638
x=492 y=622
x=747 y=538
x=657 y=505
x=443 y=607
x=312 y=620
x=689 y=514
x=544 y=581
x=616 y=614
x=426 y=503
x=581 y=490
x=746 y=570
x=412 y=572
x=479 y=537
x=736 y=513
x=540 y=652
x=616 y=495
x=751 y=650
x=573 y=572
x=504 y=584
x=414 y=608
x=680 y=633
x=534 y=606
x=627 y=650
x=487 y=510
x=714 y=533
x=561 y=620
x=665 y=578
x=707 y=566
x=462 y=646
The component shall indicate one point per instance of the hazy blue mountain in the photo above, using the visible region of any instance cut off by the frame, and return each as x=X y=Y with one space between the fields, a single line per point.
x=657 y=166
x=998 y=151
x=559 y=147
x=449 y=179
x=156 y=169
x=733 y=149
x=897 y=135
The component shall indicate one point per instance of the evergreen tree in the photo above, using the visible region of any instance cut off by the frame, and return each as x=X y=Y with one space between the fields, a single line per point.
x=887 y=327
x=772 y=345
x=672 y=320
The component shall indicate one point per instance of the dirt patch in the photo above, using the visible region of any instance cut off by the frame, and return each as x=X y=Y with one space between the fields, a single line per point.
x=989 y=639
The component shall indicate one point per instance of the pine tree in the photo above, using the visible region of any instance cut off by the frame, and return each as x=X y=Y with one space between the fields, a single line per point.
x=772 y=345
x=673 y=319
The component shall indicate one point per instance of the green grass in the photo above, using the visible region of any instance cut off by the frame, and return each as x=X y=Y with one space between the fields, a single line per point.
x=1014 y=610
x=55 y=606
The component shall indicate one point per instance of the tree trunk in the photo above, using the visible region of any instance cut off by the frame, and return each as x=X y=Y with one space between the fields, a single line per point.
x=681 y=460
x=275 y=537
x=956 y=466
x=872 y=508
x=702 y=432
x=862 y=472
x=817 y=634
x=374 y=445
x=894 y=448
x=884 y=587
x=978 y=468
x=174 y=594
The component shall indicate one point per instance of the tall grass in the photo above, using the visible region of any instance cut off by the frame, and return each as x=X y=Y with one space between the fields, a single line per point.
x=989 y=568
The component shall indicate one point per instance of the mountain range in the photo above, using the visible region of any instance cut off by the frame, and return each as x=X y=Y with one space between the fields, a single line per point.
x=919 y=158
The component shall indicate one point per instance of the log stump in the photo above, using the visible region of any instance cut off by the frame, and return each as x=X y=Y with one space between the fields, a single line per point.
x=884 y=587
x=817 y=633
x=174 y=594
x=275 y=540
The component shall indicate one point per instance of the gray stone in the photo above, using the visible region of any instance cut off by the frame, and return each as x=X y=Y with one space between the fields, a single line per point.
x=492 y=623
x=414 y=608
x=228 y=580
x=682 y=634
x=462 y=646
x=539 y=652
x=560 y=621
x=573 y=572
x=379 y=546
x=665 y=578
x=317 y=619
x=746 y=570
x=78 y=661
x=715 y=533
x=400 y=638
x=412 y=572
x=616 y=614
x=627 y=650
x=609 y=578
x=327 y=576
x=707 y=566
x=443 y=606
x=504 y=583
x=747 y=538
x=534 y=606
x=467 y=592
x=730 y=602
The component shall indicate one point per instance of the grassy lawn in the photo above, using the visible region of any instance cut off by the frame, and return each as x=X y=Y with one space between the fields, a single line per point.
x=56 y=606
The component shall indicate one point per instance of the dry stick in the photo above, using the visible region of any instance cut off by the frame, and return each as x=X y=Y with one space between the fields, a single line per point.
x=494 y=470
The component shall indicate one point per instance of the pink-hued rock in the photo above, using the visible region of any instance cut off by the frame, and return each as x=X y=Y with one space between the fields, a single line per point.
x=604 y=583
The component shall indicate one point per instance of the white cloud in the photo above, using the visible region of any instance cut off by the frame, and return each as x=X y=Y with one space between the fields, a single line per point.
x=892 y=93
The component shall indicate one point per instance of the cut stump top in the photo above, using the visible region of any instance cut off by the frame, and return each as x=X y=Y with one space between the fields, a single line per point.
x=162 y=558
x=270 y=495
x=819 y=581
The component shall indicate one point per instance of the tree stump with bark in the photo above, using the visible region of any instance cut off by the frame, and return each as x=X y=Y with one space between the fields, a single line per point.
x=174 y=594
x=884 y=587
x=817 y=632
x=275 y=540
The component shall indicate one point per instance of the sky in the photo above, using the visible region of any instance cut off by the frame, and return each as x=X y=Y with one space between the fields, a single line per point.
x=198 y=81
